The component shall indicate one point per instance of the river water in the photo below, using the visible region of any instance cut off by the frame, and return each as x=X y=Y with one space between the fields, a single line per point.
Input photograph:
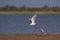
x=19 y=24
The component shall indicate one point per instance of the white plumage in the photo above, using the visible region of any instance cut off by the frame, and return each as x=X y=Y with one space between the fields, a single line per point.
x=42 y=30
x=33 y=20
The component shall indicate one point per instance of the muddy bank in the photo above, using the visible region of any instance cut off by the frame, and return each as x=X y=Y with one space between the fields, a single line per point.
x=29 y=37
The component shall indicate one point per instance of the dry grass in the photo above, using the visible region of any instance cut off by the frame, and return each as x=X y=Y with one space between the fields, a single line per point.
x=28 y=12
x=29 y=37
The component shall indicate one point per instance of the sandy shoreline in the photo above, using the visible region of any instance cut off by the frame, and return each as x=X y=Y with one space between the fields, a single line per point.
x=29 y=37
x=28 y=12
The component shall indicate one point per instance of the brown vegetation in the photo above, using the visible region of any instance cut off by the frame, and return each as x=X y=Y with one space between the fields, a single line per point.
x=29 y=12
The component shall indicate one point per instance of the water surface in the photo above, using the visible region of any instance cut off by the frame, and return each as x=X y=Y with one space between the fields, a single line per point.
x=19 y=24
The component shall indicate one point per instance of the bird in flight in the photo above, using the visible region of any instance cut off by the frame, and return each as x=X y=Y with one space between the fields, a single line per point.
x=33 y=20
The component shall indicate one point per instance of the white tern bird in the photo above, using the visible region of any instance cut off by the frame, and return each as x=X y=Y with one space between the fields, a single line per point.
x=33 y=20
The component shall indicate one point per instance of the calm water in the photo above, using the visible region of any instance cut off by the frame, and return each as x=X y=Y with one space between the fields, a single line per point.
x=19 y=24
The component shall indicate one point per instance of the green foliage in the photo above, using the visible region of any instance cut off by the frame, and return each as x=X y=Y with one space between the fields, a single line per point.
x=23 y=8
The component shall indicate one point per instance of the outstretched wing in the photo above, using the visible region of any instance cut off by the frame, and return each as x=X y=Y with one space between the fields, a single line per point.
x=34 y=17
x=32 y=20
